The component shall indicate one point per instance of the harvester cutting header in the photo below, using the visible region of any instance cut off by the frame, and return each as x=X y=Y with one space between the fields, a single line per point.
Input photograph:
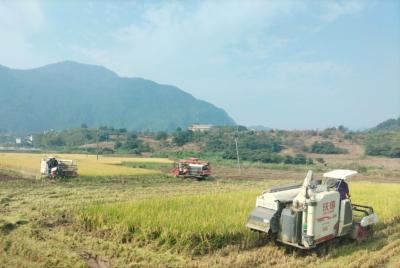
x=309 y=214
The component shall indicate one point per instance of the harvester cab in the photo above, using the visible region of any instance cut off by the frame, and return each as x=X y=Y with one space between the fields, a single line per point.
x=305 y=215
x=192 y=168
x=53 y=167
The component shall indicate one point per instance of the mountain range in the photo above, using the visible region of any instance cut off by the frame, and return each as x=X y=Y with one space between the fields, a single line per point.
x=66 y=94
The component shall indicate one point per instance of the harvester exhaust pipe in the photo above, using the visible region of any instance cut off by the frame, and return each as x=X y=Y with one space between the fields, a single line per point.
x=311 y=204
x=305 y=201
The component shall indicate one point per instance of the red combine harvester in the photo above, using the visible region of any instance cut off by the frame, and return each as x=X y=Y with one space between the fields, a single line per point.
x=192 y=168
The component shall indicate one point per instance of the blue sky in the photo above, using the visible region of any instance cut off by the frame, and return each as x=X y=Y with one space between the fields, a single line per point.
x=283 y=64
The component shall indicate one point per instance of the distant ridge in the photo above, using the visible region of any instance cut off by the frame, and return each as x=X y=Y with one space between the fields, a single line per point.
x=388 y=125
x=66 y=94
x=259 y=128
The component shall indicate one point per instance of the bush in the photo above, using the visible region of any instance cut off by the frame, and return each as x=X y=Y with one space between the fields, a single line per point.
x=326 y=147
x=288 y=159
x=326 y=133
x=182 y=137
x=348 y=136
x=161 y=135
x=132 y=145
x=299 y=159
x=252 y=146
x=118 y=145
x=385 y=144
x=107 y=151
x=56 y=141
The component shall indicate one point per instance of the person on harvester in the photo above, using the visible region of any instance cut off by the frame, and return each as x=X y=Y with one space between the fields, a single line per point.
x=343 y=189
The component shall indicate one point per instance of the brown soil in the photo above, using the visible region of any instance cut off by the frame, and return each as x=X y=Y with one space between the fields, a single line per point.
x=95 y=261
x=8 y=176
x=254 y=173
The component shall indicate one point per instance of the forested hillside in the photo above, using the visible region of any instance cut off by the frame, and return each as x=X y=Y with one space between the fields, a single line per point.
x=65 y=95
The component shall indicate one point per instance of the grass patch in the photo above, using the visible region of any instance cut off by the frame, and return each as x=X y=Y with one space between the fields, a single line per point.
x=148 y=165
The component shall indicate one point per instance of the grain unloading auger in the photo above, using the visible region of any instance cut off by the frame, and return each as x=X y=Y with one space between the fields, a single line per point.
x=309 y=214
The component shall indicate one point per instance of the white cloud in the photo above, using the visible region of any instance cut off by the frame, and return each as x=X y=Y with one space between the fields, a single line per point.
x=312 y=68
x=21 y=15
x=219 y=24
x=332 y=10
x=96 y=54
x=188 y=46
x=230 y=52
x=175 y=39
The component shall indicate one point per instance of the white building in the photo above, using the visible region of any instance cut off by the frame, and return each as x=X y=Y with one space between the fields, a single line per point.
x=199 y=127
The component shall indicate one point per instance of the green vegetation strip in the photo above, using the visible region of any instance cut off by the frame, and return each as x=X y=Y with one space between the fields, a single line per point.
x=204 y=223
x=147 y=165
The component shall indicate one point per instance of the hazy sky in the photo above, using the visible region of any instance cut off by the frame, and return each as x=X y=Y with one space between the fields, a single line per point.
x=282 y=64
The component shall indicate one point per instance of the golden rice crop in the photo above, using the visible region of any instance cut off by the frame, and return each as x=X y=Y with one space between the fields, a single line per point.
x=201 y=224
x=196 y=224
x=88 y=165
x=383 y=197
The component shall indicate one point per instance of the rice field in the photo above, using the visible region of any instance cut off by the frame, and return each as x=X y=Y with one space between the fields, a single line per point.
x=151 y=219
x=88 y=165
x=205 y=223
x=196 y=224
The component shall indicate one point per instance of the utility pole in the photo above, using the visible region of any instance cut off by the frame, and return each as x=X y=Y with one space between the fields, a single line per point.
x=97 y=144
x=237 y=150
x=86 y=145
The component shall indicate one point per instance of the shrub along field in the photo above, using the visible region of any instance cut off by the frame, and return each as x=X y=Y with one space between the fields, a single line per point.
x=155 y=220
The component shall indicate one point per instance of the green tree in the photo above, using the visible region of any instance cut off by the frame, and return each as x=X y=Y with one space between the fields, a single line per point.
x=383 y=143
x=182 y=137
x=161 y=135
x=299 y=159
x=326 y=147
x=288 y=159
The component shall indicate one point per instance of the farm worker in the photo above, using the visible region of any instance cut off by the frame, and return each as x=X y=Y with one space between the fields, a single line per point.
x=52 y=162
x=343 y=189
